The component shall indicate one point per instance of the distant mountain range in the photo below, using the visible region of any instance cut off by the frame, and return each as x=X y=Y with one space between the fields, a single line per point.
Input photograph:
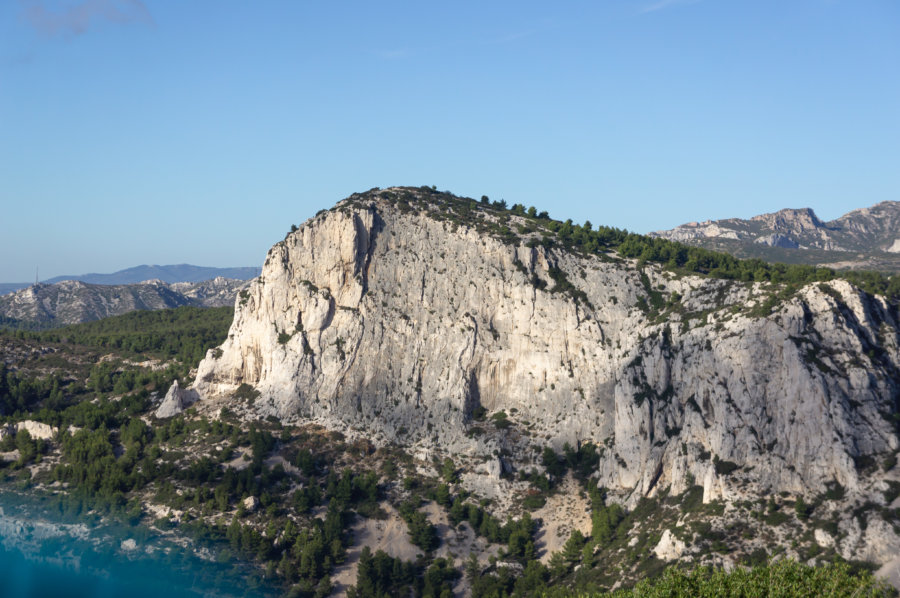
x=72 y=301
x=868 y=238
x=169 y=274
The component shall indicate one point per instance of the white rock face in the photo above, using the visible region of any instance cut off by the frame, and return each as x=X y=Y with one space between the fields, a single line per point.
x=776 y=240
x=251 y=503
x=378 y=317
x=37 y=430
x=823 y=538
x=176 y=400
x=669 y=548
x=701 y=230
x=791 y=220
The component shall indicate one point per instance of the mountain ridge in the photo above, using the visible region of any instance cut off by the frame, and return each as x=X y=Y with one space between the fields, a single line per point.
x=73 y=301
x=171 y=273
x=402 y=314
x=864 y=238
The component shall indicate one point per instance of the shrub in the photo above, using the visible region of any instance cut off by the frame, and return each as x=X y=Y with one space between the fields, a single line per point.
x=246 y=392
x=724 y=467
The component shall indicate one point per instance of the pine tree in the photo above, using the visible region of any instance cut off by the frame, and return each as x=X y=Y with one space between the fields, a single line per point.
x=572 y=548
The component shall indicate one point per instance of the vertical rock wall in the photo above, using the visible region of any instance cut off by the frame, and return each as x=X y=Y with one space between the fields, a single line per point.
x=400 y=325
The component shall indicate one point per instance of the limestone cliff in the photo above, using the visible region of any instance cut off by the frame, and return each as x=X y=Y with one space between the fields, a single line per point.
x=381 y=316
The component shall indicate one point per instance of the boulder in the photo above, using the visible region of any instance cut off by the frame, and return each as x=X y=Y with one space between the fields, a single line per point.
x=176 y=400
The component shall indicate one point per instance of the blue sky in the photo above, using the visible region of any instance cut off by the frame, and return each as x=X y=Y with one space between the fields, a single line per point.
x=172 y=131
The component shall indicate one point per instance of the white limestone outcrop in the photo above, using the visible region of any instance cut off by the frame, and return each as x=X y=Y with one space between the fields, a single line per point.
x=378 y=317
x=176 y=400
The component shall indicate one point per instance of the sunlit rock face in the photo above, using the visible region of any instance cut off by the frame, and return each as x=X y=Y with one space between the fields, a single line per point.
x=862 y=239
x=387 y=317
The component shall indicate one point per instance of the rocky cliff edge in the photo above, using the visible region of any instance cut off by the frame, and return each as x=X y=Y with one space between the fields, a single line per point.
x=404 y=316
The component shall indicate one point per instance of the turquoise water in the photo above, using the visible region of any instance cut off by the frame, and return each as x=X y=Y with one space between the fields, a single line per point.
x=27 y=578
x=63 y=566
x=99 y=576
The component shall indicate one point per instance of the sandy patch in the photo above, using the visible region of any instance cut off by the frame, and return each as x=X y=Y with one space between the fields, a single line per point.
x=460 y=541
x=242 y=461
x=392 y=536
x=890 y=572
x=565 y=511
x=389 y=535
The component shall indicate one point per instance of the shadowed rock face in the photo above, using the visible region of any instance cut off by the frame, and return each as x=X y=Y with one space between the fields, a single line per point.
x=380 y=317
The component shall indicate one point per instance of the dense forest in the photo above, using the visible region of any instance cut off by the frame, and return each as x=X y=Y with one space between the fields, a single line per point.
x=183 y=333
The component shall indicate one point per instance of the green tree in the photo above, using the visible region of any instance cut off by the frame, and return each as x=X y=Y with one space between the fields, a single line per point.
x=448 y=471
x=801 y=508
x=26 y=446
x=572 y=548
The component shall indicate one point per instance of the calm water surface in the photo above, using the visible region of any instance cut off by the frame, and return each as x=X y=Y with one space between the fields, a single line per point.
x=27 y=577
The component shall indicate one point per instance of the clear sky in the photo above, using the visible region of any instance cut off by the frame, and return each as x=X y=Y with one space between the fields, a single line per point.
x=198 y=131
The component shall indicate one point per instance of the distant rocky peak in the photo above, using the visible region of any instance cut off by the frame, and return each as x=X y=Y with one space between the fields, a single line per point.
x=865 y=238
x=790 y=220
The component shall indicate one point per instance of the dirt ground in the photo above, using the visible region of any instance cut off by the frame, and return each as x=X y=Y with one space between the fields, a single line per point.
x=389 y=535
x=566 y=510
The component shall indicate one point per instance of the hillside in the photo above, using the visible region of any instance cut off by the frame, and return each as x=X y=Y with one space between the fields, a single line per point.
x=486 y=334
x=70 y=302
x=171 y=274
x=867 y=238
x=424 y=394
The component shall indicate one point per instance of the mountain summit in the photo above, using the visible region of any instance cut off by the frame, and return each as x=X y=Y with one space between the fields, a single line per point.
x=462 y=328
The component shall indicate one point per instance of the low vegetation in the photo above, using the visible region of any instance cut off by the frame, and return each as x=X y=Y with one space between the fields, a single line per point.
x=779 y=578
